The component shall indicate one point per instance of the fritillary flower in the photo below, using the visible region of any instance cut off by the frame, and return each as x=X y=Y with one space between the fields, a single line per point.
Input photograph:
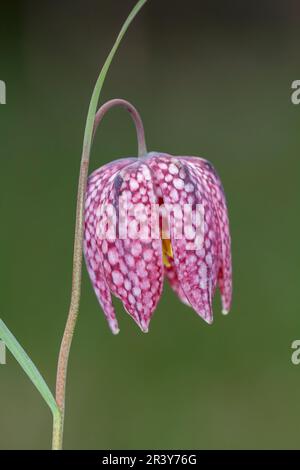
x=129 y=252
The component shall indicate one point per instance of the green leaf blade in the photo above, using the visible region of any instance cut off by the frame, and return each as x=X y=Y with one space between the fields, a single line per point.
x=99 y=83
x=28 y=366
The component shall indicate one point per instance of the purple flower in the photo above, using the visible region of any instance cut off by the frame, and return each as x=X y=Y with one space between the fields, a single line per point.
x=186 y=239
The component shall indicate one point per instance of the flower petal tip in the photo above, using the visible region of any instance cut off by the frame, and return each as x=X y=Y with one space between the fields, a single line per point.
x=114 y=327
x=144 y=326
x=225 y=312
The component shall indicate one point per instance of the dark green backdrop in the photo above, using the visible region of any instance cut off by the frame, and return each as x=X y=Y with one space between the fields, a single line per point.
x=209 y=78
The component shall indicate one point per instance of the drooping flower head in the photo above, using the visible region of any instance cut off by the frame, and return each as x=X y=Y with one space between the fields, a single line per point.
x=153 y=217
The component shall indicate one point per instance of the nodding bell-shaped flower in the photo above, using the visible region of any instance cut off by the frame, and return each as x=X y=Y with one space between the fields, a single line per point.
x=151 y=217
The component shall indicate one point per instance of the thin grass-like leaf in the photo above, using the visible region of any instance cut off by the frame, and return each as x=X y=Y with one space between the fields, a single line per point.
x=28 y=366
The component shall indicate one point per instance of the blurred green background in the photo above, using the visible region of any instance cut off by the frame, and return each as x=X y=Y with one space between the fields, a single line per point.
x=210 y=79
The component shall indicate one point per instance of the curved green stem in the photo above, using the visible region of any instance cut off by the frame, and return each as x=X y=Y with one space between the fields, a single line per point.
x=140 y=133
x=79 y=225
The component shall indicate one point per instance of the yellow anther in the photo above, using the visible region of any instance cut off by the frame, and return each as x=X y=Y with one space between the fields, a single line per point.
x=167 y=252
